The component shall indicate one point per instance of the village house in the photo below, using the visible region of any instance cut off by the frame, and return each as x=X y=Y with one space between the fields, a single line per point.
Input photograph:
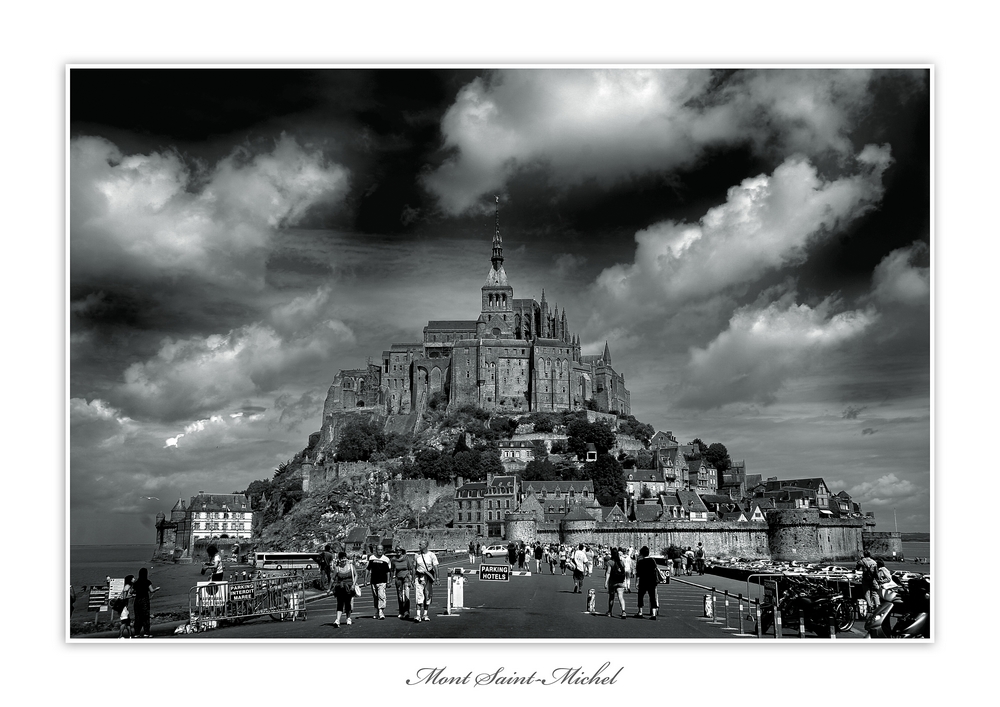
x=480 y=506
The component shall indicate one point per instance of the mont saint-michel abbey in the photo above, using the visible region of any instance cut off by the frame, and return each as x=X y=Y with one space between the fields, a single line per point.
x=517 y=357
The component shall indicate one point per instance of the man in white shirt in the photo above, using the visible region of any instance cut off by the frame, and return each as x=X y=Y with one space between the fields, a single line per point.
x=378 y=577
x=579 y=569
x=425 y=565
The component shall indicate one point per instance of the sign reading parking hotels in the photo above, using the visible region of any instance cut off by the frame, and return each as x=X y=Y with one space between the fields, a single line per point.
x=494 y=573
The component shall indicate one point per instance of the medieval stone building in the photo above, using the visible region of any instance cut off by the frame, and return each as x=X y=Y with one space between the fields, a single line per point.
x=518 y=356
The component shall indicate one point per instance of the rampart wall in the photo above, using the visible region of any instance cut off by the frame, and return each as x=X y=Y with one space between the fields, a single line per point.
x=884 y=545
x=793 y=535
x=437 y=538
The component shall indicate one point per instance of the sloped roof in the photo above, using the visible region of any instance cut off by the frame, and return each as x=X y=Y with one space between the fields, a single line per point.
x=562 y=487
x=607 y=511
x=735 y=516
x=577 y=513
x=669 y=499
x=812 y=484
x=516 y=444
x=641 y=475
x=691 y=502
x=219 y=501
x=466 y=324
x=647 y=512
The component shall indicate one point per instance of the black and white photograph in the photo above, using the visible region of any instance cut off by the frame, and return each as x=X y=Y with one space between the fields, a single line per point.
x=492 y=352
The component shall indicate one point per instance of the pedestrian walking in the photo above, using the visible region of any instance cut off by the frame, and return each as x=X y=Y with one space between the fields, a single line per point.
x=688 y=560
x=402 y=567
x=521 y=553
x=326 y=562
x=345 y=578
x=869 y=580
x=479 y=549
x=579 y=561
x=378 y=577
x=512 y=554
x=472 y=553
x=553 y=558
x=647 y=576
x=562 y=559
x=699 y=559
x=626 y=556
x=426 y=567
x=677 y=560
x=539 y=553
x=614 y=582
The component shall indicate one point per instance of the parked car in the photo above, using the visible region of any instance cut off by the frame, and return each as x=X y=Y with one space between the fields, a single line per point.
x=495 y=551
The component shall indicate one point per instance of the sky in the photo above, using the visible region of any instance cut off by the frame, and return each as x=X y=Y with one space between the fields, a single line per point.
x=753 y=245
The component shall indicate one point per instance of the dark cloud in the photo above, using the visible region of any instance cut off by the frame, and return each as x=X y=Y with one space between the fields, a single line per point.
x=868 y=431
x=851 y=412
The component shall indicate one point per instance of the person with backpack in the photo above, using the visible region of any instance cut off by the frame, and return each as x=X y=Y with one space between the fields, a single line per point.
x=699 y=559
x=614 y=582
x=647 y=576
x=869 y=580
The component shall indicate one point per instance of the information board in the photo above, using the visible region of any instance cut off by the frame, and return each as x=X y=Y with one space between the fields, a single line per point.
x=98 y=600
x=494 y=573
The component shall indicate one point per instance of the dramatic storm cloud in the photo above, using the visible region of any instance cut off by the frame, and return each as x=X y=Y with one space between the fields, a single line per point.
x=611 y=124
x=158 y=214
x=767 y=222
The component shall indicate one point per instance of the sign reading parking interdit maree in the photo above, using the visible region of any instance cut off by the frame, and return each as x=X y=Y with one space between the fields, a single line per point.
x=494 y=573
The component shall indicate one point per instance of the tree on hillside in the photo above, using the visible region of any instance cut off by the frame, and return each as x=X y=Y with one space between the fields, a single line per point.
x=581 y=433
x=359 y=440
x=628 y=425
x=609 y=483
x=702 y=447
x=718 y=456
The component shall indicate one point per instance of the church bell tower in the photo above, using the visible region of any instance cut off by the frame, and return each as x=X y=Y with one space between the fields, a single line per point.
x=497 y=318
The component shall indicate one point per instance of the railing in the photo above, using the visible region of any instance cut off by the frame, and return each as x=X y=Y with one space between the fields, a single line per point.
x=755 y=605
x=280 y=596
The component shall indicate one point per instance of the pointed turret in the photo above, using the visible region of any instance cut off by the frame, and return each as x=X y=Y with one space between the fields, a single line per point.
x=607 y=354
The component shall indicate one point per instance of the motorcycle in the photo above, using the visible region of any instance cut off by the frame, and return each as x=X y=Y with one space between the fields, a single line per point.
x=904 y=611
x=817 y=605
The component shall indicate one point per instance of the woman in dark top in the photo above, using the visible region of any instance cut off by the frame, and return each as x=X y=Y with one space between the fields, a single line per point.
x=614 y=582
x=142 y=589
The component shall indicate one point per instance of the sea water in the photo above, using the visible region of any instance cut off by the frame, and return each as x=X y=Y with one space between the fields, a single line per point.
x=90 y=564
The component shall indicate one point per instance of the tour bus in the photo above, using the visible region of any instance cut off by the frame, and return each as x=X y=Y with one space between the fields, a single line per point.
x=285 y=560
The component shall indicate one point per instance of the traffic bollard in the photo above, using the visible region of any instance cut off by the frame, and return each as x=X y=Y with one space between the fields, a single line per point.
x=708 y=606
x=757 y=606
x=777 y=622
x=727 y=608
x=802 y=626
x=833 y=628
x=740 y=605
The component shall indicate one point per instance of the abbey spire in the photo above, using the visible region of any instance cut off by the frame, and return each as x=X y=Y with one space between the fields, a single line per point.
x=497 y=317
x=497 y=275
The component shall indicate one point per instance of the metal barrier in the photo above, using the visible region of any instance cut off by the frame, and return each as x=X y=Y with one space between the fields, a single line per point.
x=753 y=605
x=280 y=596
